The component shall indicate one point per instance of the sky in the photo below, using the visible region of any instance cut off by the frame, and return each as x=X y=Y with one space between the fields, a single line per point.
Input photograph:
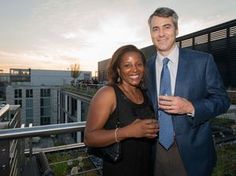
x=55 y=34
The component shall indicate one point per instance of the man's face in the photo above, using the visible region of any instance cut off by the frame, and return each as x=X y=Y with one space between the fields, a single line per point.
x=163 y=34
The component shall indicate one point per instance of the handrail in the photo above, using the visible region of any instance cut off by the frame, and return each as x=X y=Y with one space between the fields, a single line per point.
x=4 y=109
x=44 y=130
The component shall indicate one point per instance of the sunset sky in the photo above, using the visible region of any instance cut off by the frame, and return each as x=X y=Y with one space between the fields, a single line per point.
x=54 y=34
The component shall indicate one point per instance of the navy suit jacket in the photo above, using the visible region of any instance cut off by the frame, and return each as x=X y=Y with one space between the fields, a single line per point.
x=199 y=81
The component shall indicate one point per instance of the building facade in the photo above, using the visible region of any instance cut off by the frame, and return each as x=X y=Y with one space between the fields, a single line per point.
x=38 y=103
x=38 y=93
x=102 y=70
x=73 y=107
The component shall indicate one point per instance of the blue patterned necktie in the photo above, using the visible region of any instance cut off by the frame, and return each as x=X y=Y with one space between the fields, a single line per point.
x=166 y=133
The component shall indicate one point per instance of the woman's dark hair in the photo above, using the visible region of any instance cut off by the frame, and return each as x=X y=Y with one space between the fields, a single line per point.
x=114 y=64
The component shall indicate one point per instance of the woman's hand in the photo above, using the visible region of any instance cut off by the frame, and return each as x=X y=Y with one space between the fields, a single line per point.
x=143 y=128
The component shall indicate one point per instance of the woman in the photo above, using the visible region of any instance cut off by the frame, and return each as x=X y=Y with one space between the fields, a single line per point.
x=124 y=98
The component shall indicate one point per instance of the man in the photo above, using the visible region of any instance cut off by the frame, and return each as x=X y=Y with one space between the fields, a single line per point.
x=185 y=87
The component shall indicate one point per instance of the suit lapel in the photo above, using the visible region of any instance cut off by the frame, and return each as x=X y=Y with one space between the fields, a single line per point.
x=152 y=80
x=181 y=74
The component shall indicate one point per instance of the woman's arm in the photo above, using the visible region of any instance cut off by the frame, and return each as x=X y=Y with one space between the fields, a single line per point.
x=101 y=106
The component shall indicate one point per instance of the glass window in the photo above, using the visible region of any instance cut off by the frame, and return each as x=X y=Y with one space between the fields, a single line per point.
x=45 y=120
x=73 y=107
x=44 y=102
x=45 y=92
x=18 y=93
x=18 y=102
x=45 y=111
x=187 y=43
x=201 y=39
x=29 y=113
x=232 y=31
x=29 y=103
x=29 y=93
x=217 y=35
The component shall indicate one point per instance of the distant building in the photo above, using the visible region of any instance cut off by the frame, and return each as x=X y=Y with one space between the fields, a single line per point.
x=37 y=91
x=73 y=107
x=38 y=103
x=4 y=77
x=102 y=70
x=44 y=77
x=4 y=81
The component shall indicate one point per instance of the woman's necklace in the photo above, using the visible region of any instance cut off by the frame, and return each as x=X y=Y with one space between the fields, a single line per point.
x=136 y=97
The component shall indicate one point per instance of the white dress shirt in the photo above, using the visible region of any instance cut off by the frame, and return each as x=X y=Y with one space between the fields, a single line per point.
x=172 y=65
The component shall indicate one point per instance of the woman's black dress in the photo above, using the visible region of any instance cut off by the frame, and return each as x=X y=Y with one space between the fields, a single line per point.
x=136 y=160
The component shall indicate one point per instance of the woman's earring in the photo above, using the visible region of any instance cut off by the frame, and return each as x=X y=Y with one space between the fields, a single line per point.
x=118 y=79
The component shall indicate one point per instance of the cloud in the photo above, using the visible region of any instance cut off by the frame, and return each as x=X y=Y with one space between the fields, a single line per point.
x=69 y=35
x=56 y=34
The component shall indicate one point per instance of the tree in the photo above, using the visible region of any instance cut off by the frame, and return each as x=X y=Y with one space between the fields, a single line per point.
x=75 y=72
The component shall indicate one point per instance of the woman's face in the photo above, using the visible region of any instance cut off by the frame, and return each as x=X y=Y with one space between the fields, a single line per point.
x=131 y=69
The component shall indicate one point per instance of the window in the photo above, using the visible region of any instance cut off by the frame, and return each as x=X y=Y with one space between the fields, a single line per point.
x=62 y=95
x=201 y=39
x=232 y=31
x=187 y=43
x=45 y=120
x=29 y=110
x=73 y=107
x=45 y=92
x=217 y=35
x=18 y=102
x=29 y=103
x=44 y=112
x=44 y=102
x=29 y=114
x=29 y=93
x=18 y=93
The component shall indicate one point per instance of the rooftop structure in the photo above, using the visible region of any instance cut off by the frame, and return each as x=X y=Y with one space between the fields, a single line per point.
x=219 y=40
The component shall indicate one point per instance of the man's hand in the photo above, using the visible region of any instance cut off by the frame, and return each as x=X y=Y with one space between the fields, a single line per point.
x=175 y=105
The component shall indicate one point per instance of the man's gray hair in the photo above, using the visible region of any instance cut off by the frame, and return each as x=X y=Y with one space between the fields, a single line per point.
x=165 y=12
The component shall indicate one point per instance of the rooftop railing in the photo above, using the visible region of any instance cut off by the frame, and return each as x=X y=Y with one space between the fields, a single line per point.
x=45 y=130
x=17 y=136
x=23 y=133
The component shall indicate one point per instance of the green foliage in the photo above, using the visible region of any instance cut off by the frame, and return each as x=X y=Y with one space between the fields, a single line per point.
x=57 y=157
x=59 y=143
x=59 y=169
x=62 y=162
x=224 y=122
x=226 y=161
x=233 y=101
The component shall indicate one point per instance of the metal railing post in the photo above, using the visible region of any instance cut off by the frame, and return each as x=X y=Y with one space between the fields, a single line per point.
x=30 y=144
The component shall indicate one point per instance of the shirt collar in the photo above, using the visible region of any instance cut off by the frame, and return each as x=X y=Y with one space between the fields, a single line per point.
x=172 y=56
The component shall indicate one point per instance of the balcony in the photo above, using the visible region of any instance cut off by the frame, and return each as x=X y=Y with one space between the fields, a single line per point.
x=42 y=150
x=32 y=160
x=53 y=150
